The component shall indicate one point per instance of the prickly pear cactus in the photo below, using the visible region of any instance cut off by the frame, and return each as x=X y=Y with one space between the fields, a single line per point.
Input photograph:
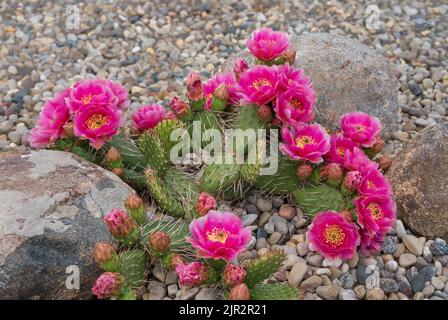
x=177 y=230
x=314 y=199
x=132 y=266
x=263 y=267
x=283 y=182
x=273 y=291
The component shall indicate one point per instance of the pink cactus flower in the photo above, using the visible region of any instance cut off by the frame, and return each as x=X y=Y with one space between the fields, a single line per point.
x=97 y=123
x=108 y=285
x=376 y=214
x=210 y=86
x=219 y=235
x=357 y=160
x=233 y=275
x=195 y=89
x=119 y=223
x=239 y=67
x=295 y=106
x=119 y=91
x=179 y=107
x=361 y=128
x=258 y=85
x=338 y=148
x=205 y=203
x=148 y=117
x=370 y=243
x=192 y=274
x=267 y=44
x=332 y=236
x=307 y=142
x=92 y=93
x=352 y=180
x=375 y=184
x=52 y=119
x=289 y=77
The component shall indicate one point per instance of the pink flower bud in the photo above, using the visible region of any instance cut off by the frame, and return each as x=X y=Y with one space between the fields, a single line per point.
x=205 y=203
x=192 y=274
x=179 y=107
x=239 y=67
x=113 y=155
x=239 y=292
x=221 y=92
x=290 y=56
x=304 y=171
x=195 y=89
x=159 y=241
x=119 y=223
x=265 y=113
x=352 y=180
x=378 y=145
x=385 y=163
x=233 y=275
x=107 y=285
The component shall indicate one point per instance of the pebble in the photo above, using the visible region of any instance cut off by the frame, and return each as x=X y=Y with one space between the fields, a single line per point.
x=328 y=292
x=207 y=294
x=302 y=249
x=264 y=204
x=437 y=283
x=311 y=283
x=360 y=291
x=389 y=285
x=315 y=260
x=157 y=293
x=297 y=273
x=287 y=212
x=414 y=244
x=389 y=245
x=347 y=295
x=407 y=259
x=249 y=219
x=172 y=290
x=391 y=266
x=332 y=262
x=375 y=294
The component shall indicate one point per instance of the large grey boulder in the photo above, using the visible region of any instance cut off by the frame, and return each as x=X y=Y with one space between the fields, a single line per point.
x=51 y=204
x=419 y=177
x=347 y=76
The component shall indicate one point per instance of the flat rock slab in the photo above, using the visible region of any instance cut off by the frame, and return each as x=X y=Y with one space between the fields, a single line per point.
x=51 y=205
x=419 y=176
x=347 y=76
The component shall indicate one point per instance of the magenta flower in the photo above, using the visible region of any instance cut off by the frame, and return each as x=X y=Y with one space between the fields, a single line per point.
x=307 y=142
x=119 y=223
x=52 y=118
x=375 y=184
x=267 y=44
x=233 y=275
x=289 y=77
x=195 y=89
x=192 y=274
x=119 y=91
x=210 y=86
x=376 y=214
x=361 y=128
x=257 y=85
x=205 y=203
x=352 y=180
x=148 y=117
x=219 y=235
x=107 y=285
x=239 y=67
x=338 y=148
x=97 y=124
x=295 y=106
x=332 y=236
x=92 y=93
x=357 y=160
x=370 y=243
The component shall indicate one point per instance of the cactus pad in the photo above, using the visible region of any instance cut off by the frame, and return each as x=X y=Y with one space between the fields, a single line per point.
x=314 y=199
x=274 y=291
x=263 y=267
x=132 y=266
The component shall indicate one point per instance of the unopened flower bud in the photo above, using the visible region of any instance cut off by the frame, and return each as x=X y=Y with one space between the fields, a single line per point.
x=265 y=113
x=118 y=171
x=290 y=56
x=69 y=130
x=239 y=292
x=119 y=223
x=233 y=275
x=332 y=173
x=378 y=145
x=103 y=252
x=172 y=260
x=221 y=92
x=304 y=171
x=179 y=107
x=239 y=67
x=195 y=89
x=192 y=274
x=108 y=285
x=113 y=155
x=347 y=215
x=159 y=241
x=352 y=180
x=385 y=163
x=134 y=206
x=169 y=116
x=205 y=203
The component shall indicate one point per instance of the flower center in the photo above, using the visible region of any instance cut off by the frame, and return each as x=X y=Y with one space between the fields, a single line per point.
x=296 y=104
x=218 y=235
x=370 y=185
x=375 y=211
x=334 y=235
x=86 y=99
x=302 y=141
x=360 y=127
x=96 y=121
x=340 y=151
x=260 y=83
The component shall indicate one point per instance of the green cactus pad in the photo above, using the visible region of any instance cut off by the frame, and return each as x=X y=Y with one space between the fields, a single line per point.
x=247 y=118
x=263 y=267
x=153 y=148
x=314 y=199
x=221 y=179
x=134 y=178
x=274 y=291
x=283 y=182
x=132 y=266
x=131 y=155
x=183 y=187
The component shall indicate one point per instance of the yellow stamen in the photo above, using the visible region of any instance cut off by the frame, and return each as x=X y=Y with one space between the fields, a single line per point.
x=218 y=235
x=296 y=104
x=334 y=235
x=302 y=141
x=375 y=211
x=86 y=99
x=96 y=121
x=261 y=82
x=370 y=185
x=360 y=127
x=340 y=151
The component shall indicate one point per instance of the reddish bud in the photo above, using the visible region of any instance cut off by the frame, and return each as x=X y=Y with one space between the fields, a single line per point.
x=347 y=215
x=118 y=171
x=103 y=252
x=239 y=67
x=69 y=130
x=195 y=90
x=221 y=92
x=265 y=113
x=107 y=285
x=290 y=56
x=113 y=155
x=352 y=180
x=205 y=203
x=239 y=292
x=385 y=163
x=378 y=145
x=304 y=171
x=159 y=241
x=119 y=223
x=133 y=201
x=179 y=107
x=233 y=275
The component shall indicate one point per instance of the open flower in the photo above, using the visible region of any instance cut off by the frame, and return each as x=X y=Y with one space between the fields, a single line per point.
x=357 y=160
x=361 y=128
x=52 y=119
x=119 y=91
x=219 y=235
x=258 y=85
x=307 y=142
x=97 y=124
x=205 y=203
x=296 y=105
x=338 y=148
x=375 y=184
x=212 y=84
x=94 y=92
x=376 y=214
x=107 y=285
x=192 y=274
x=289 y=77
x=148 y=117
x=332 y=236
x=267 y=44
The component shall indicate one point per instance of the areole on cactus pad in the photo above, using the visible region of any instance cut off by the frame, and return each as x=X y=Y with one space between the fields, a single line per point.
x=334 y=177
